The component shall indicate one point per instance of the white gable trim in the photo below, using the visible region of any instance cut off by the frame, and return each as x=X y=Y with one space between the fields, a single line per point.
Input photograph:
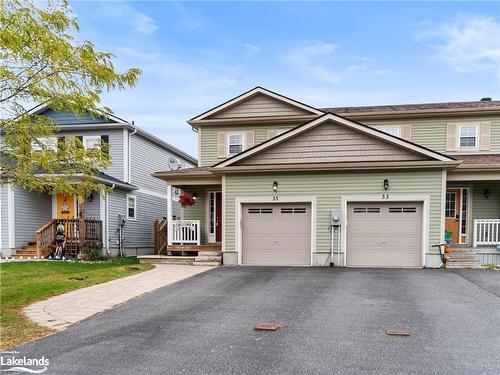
x=341 y=120
x=249 y=94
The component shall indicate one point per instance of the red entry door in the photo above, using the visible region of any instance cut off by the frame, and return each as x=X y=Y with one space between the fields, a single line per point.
x=218 y=217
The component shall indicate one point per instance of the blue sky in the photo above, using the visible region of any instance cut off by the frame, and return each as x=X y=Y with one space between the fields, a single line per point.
x=196 y=55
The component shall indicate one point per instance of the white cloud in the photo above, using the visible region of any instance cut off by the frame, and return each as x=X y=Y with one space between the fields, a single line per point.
x=467 y=44
x=251 y=49
x=307 y=60
x=145 y=24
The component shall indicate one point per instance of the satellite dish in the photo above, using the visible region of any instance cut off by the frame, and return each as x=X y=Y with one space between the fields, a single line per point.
x=173 y=164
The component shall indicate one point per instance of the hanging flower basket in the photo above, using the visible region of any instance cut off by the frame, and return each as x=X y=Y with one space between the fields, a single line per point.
x=187 y=199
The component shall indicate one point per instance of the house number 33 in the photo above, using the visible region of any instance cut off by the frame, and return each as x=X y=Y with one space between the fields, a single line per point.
x=275 y=198
x=385 y=196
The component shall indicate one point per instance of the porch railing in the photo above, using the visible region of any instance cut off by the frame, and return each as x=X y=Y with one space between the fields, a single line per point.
x=45 y=237
x=486 y=232
x=184 y=232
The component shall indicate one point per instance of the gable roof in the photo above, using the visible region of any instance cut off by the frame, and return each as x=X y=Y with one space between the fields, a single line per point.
x=422 y=109
x=69 y=118
x=404 y=144
x=297 y=109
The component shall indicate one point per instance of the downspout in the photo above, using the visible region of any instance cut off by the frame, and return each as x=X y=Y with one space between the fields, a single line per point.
x=128 y=147
x=107 y=218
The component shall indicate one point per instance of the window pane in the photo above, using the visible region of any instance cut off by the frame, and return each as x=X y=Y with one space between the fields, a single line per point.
x=235 y=144
x=391 y=131
x=235 y=149
x=92 y=142
x=467 y=141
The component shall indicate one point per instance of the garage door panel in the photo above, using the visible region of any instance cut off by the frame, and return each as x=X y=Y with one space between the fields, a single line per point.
x=280 y=238
x=384 y=234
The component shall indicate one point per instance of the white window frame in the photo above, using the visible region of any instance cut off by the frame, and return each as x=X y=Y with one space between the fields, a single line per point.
x=476 y=137
x=390 y=129
x=49 y=142
x=86 y=138
x=129 y=196
x=229 y=135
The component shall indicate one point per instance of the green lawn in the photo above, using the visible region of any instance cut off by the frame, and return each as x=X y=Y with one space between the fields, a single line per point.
x=23 y=283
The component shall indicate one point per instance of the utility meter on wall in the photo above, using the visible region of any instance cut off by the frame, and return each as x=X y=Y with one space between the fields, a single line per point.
x=335 y=217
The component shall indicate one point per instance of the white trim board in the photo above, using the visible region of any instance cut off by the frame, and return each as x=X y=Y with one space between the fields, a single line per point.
x=239 y=201
x=425 y=199
x=11 y=216
x=152 y=193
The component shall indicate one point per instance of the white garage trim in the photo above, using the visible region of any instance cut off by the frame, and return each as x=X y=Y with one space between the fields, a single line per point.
x=239 y=201
x=388 y=197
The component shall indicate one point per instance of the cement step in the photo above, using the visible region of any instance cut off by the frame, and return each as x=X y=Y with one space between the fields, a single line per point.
x=209 y=253
x=460 y=265
x=166 y=259
x=208 y=258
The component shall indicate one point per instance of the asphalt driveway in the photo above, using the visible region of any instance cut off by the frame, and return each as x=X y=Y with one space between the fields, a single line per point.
x=335 y=321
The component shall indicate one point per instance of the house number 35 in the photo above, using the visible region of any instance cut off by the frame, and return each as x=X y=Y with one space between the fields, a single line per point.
x=275 y=198
x=385 y=196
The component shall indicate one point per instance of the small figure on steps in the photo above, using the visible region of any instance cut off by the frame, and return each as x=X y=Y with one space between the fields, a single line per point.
x=60 y=240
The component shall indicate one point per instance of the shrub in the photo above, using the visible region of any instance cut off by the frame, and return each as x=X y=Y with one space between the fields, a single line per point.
x=90 y=253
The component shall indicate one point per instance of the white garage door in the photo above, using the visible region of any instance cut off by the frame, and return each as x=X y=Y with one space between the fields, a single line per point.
x=384 y=234
x=276 y=234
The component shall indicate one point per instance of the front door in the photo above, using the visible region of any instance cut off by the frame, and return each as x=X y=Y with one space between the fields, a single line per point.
x=65 y=206
x=452 y=214
x=218 y=217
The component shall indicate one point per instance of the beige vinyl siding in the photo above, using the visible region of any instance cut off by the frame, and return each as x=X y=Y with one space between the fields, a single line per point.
x=483 y=208
x=197 y=212
x=431 y=133
x=260 y=106
x=328 y=187
x=209 y=135
x=333 y=143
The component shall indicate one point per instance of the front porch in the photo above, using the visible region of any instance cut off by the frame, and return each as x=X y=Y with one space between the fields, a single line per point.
x=472 y=222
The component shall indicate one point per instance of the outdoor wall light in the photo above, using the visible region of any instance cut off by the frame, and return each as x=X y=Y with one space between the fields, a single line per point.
x=487 y=193
x=275 y=185
x=91 y=197
x=386 y=184
x=195 y=196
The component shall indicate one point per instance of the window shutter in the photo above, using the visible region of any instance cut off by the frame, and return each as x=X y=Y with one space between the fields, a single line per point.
x=272 y=133
x=484 y=136
x=105 y=139
x=249 y=141
x=406 y=132
x=221 y=145
x=451 y=136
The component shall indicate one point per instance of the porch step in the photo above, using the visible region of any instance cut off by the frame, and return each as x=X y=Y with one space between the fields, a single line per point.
x=475 y=265
x=194 y=248
x=166 y=259
x=212 y=264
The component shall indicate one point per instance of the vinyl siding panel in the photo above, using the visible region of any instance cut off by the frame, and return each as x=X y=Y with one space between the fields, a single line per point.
x=328 y=187
x=92 y=208
x=116 y=147
x=431 y=133
x=208 y=138
x=259 y=106
x=68 y=118
x=333 y=143
x=483 y=208
x=32 y=211
x=147 y=158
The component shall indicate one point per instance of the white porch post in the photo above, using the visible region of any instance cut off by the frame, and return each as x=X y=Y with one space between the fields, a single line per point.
x=169 y=214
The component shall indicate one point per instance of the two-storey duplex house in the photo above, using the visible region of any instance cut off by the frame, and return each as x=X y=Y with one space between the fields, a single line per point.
x=280 y=182
x=123 y=217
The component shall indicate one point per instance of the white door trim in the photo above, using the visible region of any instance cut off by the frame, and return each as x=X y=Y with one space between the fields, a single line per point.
x=239 y=201
x=11 y=218
x=211 y=237
x=383 y=198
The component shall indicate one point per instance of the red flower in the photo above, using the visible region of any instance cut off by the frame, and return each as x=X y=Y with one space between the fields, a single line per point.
x=187 y=199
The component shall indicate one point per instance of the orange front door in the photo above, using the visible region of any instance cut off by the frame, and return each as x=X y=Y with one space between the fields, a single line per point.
x=452 y=214
x=65 y=206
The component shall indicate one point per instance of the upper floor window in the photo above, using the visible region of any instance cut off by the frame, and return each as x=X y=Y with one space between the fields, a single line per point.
x=91 y=141
x=47 y=143
x=391 y=130
x=468 y=136
x=234 y=144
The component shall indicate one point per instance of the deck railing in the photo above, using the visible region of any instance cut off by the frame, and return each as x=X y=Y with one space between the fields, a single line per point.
x=184 y=232
x=78 y=233
x=486 y=232
x=45 y=237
